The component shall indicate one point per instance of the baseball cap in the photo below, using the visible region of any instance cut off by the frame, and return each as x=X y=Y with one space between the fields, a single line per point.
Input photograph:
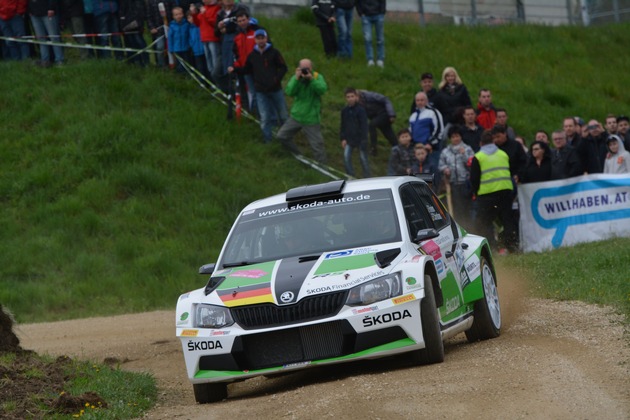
x=260 y=32
x=426 y=76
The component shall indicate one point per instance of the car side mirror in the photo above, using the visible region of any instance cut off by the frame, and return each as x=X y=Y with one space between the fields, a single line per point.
x=207 y=268
x=426 y=234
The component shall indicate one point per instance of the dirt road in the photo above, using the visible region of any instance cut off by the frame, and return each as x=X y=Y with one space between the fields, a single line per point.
x=554 y=360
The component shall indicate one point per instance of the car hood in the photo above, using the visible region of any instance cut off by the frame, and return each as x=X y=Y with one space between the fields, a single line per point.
x=286 y=281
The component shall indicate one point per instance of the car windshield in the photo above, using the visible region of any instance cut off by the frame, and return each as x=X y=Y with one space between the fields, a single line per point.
x=309 y=229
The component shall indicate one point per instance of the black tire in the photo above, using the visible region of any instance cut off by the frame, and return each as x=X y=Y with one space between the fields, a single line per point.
x=434 y=346
x=210 y=392
x=487 y=311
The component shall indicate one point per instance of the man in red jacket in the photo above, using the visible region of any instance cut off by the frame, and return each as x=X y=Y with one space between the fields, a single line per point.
x=12 y=24
x=486 y=114
x=244 y=43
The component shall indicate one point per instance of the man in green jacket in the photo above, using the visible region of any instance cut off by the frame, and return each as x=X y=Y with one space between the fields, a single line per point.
x=306 y=87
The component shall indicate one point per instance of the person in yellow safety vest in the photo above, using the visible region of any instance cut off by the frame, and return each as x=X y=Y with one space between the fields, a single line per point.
x=492 y=184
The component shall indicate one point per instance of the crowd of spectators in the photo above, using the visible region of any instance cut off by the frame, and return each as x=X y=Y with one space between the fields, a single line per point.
x=445 y=134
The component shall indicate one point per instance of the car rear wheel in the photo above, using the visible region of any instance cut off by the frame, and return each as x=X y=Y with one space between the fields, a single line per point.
x=210 y=392
x=487 y=311
x=434 y=347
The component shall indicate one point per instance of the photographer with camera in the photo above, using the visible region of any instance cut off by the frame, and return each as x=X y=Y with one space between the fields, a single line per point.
x=592 y=148
x=306 y=87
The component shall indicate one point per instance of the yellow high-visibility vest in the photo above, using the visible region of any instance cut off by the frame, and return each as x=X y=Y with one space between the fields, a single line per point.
x=495 y=172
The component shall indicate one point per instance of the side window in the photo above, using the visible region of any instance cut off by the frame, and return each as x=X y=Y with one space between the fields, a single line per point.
x=434 y=207
x=415 y=214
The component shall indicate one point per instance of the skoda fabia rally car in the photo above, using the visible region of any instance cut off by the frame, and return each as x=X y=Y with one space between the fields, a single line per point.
x=332 y=273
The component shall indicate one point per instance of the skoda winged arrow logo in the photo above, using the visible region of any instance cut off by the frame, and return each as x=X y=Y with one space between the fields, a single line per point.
x=287 y=297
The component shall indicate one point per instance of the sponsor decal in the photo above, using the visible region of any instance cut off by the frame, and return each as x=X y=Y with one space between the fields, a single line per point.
x=403 y=299
x=338 y=254
x=410 y=281
x=183 y=316
x=327 y=274
x=463 y=275
x=341 y=265
x=204 y=345
x=473 y=267
x=249 y=274
x=439 y=266
x=459 y=257
x=287 y=297
x=296 y=207
x=319 y=290
x=364 y=310
x=190 y=333
x=432 y=249
x=220 y=333
x=342 y=286
x=370 y=321
x=452 y=304
x=298 y=364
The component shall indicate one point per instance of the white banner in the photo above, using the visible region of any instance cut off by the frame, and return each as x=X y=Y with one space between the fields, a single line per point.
x=569 y=211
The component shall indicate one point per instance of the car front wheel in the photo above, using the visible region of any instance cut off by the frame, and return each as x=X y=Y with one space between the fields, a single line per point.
x=433 y=352
x=210 y=392
x=487 y=312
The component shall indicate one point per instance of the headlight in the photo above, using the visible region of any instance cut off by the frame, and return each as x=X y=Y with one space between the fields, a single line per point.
x=376 y=290
x=210 y=316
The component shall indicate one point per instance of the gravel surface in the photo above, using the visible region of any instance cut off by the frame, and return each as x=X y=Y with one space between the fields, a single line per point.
x=560 y=360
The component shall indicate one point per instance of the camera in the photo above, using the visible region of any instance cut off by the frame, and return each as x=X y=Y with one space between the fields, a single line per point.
x=305 y=71
x=592 y=126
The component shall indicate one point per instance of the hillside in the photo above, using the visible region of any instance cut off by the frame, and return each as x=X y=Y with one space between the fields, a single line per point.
x=117 y=182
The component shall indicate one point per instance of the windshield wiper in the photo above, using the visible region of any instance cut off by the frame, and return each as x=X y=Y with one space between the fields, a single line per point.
x=237 y=264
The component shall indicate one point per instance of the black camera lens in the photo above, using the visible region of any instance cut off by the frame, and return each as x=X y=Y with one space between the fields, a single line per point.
x=304 y=71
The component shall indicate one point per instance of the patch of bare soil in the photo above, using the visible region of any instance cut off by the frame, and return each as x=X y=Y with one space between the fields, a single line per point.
x=30 y=386
x=560 y=360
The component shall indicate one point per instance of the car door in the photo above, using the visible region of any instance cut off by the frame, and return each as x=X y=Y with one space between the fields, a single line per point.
x=446 y=251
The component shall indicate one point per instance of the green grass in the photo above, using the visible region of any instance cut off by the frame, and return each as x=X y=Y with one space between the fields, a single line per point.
x=46 y=387
x=597 y=273
x=116 y=182
x=127 y=394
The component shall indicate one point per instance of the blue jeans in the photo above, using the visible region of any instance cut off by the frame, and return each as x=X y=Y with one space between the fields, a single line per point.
x=363 y=157
x=47 y=28
x=14 y=27
x=251 y=92
x=378 y=22
x=108 y=23
x=273 y=110
x=344 y=26
x=213 y=58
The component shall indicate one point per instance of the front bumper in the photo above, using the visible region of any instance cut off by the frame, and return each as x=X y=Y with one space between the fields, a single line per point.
x=377 y=330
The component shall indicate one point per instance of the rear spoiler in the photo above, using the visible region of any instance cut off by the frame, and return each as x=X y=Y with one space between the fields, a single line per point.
x=428 y=178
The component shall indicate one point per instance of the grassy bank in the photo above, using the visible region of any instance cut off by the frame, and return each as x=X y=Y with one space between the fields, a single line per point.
x=116 y=182
x=597 y=273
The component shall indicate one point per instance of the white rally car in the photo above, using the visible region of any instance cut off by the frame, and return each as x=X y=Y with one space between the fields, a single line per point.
x=332 y=273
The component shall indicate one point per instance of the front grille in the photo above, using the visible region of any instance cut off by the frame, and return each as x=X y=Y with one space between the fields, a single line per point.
x=293 y=345
x=270 y=315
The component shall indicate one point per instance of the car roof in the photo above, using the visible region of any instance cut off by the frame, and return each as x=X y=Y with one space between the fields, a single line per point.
x=349 y=186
